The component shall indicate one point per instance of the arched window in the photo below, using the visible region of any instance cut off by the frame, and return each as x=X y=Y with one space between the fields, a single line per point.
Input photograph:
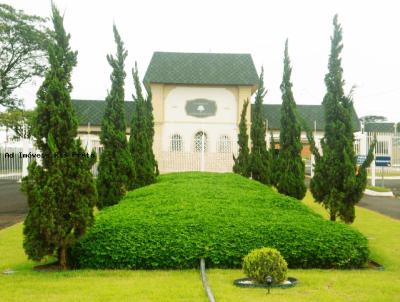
x=176 y=143
x=224 y=144
x=200 y=142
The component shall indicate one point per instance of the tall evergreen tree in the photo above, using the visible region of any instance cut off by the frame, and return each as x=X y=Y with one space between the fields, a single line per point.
x=290 y=164
x=337 y=183
x=61 y=191
x=116 y=170
x=150 y=128
x=141 y=136
x=241 y=165
x=259 y=156
x=274 y=154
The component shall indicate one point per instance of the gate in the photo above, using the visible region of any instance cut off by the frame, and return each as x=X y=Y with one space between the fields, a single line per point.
x=202 y=157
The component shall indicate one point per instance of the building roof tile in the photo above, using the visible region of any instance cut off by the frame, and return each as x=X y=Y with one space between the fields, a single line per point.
x=310 y=114
x=201 y=69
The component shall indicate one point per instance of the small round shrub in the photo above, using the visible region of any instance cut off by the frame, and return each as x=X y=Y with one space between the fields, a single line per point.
x=264 y=262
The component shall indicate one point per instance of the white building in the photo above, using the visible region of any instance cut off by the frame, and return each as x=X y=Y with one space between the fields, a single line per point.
x=197 y=101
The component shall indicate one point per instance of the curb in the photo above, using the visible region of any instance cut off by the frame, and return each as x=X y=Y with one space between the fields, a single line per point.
x=374 y=193
x=386 y=177
x=206 y=287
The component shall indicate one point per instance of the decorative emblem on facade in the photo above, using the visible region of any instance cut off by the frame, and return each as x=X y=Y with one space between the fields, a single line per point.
x=201 y=108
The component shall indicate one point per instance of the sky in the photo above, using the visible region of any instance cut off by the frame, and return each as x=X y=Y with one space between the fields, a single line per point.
x=370 y=57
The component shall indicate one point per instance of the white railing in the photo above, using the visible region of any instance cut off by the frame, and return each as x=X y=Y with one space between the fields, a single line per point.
x=170 y=161
x=14 y=162
x=13 y=165
x=387 y=144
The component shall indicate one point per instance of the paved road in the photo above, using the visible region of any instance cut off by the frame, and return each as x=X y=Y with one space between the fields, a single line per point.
x=13 y=206
x=389 y=206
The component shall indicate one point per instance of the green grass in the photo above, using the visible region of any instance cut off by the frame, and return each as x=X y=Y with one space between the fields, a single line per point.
x=89 y=285
x=378 y=189
x=332 y=285
x=386 y=172
x=122 y=285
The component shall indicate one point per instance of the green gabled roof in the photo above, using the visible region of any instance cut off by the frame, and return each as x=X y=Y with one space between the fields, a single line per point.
x=310 y=113
x=379 y=127
x=201 y=69
x=92 y=111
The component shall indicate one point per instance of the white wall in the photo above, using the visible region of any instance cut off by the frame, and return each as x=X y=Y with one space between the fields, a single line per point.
x=178 y=122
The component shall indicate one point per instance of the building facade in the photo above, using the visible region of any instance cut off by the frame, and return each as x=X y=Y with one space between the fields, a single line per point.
x=197 y=100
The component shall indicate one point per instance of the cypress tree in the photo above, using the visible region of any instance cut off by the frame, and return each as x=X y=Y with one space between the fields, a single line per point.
x=241 y=165
x=259 y=157
x=337 y=183
x=290 y=164
x=150 y=129
x=116 y=171
x=61 y=191
x=274 y=153
x=141 y=136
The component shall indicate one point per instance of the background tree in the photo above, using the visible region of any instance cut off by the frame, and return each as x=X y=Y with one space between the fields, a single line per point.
x=18 y=120
x=373 y=119
x=259 y=156
x=61 y=191
x=116 y=171
x=23 y=44
x=141 y=136
x=337 y=183
x=242 y=162
x=290 y=164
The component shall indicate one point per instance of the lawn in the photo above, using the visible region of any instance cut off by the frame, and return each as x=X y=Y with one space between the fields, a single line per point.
x=121 y=285
x=89 y=285
x=386 y=172
x=378 y=189
x=333 y=285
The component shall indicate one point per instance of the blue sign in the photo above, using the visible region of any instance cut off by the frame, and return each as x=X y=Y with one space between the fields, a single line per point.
x=361 y=159
x=382 y=161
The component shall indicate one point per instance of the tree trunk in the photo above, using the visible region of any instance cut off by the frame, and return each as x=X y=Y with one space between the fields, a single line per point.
x=62 y=256
x=333 y=216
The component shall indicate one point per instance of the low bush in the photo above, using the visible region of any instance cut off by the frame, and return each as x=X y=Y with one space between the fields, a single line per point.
x=264 y=262
x=221 y=217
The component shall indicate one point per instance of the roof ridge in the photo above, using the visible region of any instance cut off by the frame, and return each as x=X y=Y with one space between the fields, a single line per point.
x=202 y=53
x=94 y=100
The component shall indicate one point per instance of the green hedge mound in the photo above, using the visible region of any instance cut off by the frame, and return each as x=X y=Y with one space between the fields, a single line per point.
x=221 y=217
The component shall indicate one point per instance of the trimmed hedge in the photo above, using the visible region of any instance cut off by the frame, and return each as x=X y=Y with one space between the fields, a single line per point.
x=221 y=217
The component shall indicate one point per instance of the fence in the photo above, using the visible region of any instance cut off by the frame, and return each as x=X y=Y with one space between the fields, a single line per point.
x=201 y=157
x=13 y=165
x=13 y=161
x=387 y=144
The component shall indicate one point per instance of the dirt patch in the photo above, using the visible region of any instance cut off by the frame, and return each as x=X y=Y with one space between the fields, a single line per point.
x=49 y=267
x=375 y=265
